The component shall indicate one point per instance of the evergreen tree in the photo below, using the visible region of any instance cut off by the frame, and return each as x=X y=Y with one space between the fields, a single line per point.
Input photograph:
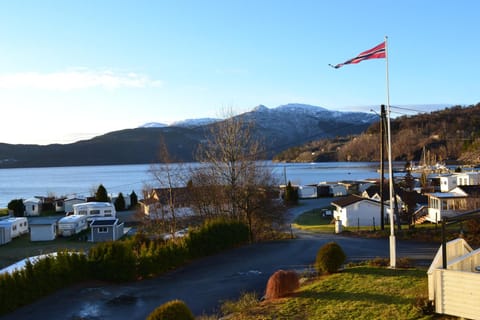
x=101 y=194
x=17 y=207
x=291 y=194
x=133 y=199
x=120 y=202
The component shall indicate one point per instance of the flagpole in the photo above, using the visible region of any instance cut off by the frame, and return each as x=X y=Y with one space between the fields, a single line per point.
x=393 y=256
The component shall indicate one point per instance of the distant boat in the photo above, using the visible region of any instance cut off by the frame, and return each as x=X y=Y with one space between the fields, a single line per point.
x=429 y=165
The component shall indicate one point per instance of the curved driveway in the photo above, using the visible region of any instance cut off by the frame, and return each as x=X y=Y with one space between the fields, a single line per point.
x=204 y=283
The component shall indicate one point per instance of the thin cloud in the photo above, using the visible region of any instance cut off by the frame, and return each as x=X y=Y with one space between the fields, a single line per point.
x=76 y=79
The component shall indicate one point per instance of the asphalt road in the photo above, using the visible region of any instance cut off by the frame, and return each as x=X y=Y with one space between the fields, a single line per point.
x=204 y=283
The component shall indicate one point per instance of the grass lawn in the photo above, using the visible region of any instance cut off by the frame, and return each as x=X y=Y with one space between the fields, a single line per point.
x=314 y=221
x=21 y=247
x=360 y=292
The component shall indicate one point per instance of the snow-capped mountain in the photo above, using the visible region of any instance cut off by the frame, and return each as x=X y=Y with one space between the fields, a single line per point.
x=295 y=124
x=297 y=109
x=153 y=125
x=188 y=123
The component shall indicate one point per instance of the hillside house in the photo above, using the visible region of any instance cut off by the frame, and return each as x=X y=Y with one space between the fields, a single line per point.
x=448 y=182
x=158 y=200
x=373 y=193
x=447 y=204
x=468 y=178
x=355 y=211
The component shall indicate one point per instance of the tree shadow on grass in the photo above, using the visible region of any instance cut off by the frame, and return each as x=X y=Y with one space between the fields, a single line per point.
x=354 y=296
x=386 y=272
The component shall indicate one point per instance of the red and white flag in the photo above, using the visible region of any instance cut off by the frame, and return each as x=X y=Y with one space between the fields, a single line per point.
x=377 y=52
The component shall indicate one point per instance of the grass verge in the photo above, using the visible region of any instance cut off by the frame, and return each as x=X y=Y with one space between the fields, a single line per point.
x=359 y=292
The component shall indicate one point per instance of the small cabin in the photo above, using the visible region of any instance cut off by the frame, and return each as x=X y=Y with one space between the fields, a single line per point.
x=73 y=224
x=17 y=226
x=94 y=210
x=106 y=230
x=43 y=229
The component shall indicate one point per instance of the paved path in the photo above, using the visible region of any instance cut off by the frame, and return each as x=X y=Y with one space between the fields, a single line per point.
x=204 y=283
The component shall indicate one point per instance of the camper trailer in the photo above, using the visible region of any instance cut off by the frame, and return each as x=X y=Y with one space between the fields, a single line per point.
x=94 y=210
x=70 y=225
x=17 y=226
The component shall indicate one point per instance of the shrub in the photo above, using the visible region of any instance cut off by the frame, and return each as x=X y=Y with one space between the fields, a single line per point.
x=174 y=309
x=330 y=258
x=216 y=235
x=112 y=261
x=281 y=283
x=17 y=206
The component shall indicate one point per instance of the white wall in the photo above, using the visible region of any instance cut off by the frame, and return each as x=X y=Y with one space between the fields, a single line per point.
x=361 y=214
x=43 y=232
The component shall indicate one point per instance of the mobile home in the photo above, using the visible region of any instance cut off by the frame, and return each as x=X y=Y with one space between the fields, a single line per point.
x=70 y=202
x=70 y=225
x=5 y=236
x=17 y=226
x=33 y=206
x=94 y=210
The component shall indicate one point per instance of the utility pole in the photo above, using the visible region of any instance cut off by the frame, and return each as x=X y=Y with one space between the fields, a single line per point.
x=382 y=167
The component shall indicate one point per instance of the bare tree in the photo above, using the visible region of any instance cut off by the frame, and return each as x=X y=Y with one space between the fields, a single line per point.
x=240 y=187
x=169 y=188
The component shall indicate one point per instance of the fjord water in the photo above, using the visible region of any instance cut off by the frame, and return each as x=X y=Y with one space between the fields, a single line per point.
x=24 y=183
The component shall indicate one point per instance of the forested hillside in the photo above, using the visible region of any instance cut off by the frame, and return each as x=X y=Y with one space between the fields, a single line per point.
x=446 y=135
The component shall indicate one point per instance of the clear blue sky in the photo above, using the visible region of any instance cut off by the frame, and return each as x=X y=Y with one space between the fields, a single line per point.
x=74 y=69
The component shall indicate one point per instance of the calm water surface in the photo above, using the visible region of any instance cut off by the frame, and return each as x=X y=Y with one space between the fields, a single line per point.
x=83 y=181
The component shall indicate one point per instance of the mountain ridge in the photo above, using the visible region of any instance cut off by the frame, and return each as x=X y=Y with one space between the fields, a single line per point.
x=278 y=128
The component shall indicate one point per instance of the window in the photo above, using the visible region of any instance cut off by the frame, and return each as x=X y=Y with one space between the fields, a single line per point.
x=102 y=230
x=444 y=205
x=82 y=212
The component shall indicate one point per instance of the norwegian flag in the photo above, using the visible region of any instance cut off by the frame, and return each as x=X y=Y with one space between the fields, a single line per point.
x=377 y=52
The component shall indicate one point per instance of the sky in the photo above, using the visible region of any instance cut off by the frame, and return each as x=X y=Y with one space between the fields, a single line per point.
x=71 y=70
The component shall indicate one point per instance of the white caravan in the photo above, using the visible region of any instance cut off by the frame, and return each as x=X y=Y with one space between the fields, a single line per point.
x=17 y=226
x=94 y=210
x=71 y=225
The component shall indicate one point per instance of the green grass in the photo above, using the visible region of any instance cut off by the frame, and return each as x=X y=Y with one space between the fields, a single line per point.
x=21 y=247
x=3 y=212
x=314 y=221
x=359 y=292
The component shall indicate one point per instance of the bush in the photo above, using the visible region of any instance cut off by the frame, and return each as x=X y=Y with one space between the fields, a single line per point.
x=17 y=206
x=172 y=310
x=112 y=261
x=215 y=236
x=281 y=283
x=330 y=258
